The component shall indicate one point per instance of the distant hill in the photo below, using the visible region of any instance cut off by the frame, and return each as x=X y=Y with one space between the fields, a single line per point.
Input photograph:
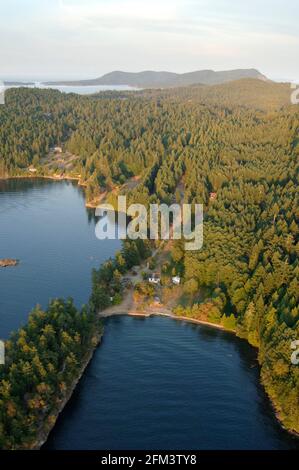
x=151 y=79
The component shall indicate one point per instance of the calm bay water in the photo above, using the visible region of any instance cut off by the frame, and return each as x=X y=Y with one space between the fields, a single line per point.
x=46 y=226
x=153 y=383
x=158 y=383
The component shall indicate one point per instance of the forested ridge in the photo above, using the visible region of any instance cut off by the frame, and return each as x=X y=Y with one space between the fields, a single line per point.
x=243 y=147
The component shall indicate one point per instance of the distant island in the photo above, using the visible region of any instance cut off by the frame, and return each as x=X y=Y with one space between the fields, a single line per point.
x=152 y=79
x=6 y=262
x=16 y=83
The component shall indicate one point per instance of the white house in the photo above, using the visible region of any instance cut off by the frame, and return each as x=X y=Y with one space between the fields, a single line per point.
x=154 y=279
x=176 y=280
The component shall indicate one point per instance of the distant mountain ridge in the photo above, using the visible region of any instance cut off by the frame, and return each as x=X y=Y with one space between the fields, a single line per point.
x=152 y=79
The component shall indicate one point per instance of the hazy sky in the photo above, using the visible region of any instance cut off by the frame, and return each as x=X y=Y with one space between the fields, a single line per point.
x=87 y=38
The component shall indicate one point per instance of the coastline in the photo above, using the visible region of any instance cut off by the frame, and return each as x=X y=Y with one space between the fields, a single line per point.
x=44 y=433
x=277 y=413
x=48 y=177
x=132 y=313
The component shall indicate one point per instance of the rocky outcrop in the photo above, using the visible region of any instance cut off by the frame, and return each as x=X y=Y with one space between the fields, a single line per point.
x=5 y=263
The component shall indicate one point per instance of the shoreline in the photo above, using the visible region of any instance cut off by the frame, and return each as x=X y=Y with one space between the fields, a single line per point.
x=48 y=177
x=132 y=313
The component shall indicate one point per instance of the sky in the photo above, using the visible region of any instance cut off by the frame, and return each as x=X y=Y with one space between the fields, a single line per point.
x=69 y=39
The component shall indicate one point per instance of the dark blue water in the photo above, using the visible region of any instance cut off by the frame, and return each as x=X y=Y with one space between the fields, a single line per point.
x=46 y=226
x=158 y=383
x=153 y=383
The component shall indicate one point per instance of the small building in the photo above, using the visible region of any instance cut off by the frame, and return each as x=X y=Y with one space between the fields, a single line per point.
x=154 y=279
x=57 y=149
x=213 y=196
x=176 y=280
x=32 y=170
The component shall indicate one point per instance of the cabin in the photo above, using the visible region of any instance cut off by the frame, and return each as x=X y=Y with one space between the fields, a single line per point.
x=32 y=170
x=154 y=279
x=176 y=280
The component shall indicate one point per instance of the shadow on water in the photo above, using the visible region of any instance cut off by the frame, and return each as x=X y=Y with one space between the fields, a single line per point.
x=25 y=185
